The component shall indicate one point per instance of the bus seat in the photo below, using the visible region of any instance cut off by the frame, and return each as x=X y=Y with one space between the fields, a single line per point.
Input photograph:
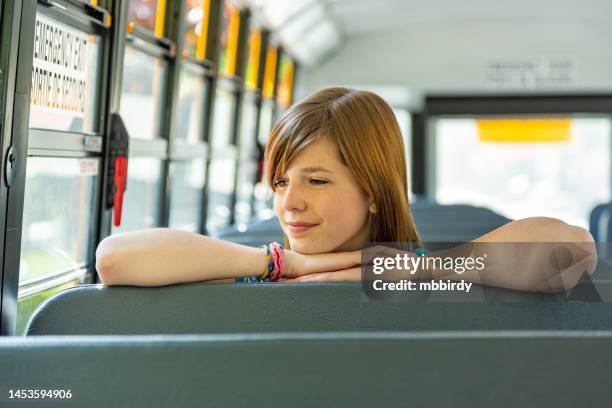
x=600 y=222
x=553 y=369
x=455 y=222
x=234 y=308
x=255 y=233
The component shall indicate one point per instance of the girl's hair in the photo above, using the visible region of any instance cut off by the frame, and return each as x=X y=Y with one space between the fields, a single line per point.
x=364 y=128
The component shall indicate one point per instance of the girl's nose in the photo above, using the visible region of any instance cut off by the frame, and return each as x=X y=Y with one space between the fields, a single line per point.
x=293 y=199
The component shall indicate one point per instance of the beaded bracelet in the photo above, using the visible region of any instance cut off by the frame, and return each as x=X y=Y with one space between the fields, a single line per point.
x=274 y=265
x=277 y=257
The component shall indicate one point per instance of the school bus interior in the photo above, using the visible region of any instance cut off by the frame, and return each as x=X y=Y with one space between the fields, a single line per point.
x=119 y=115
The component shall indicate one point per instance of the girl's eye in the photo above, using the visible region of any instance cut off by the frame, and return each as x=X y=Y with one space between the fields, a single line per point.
x=280 y=183
x=318 y=182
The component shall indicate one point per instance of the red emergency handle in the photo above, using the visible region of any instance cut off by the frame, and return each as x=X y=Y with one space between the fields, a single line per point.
x=260 y=176
x=120 y=184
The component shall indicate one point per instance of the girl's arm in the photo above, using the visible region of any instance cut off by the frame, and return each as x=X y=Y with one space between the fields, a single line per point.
x=537 y=254
x=163 y=256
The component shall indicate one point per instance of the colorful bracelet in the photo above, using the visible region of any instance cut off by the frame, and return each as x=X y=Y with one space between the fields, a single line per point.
x=274 y=265
x=277 y=257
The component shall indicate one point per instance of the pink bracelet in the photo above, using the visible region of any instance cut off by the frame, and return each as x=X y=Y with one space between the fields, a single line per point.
x=276 y=250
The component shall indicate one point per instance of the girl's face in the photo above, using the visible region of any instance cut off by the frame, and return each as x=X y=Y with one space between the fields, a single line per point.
x=319 y=204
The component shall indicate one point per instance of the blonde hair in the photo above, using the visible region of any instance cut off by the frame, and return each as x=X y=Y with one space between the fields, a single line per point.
x=367 y=135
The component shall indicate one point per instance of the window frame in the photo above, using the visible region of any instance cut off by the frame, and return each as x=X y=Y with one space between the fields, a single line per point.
x=84 y=17
x=444 y=105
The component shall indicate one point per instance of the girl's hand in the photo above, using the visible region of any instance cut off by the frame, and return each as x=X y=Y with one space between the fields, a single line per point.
x=332 y=267
x=299 y=265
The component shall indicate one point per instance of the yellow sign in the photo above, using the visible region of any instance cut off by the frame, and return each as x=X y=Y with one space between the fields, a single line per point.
x=524 y=130
x=203 y=35
x=270 y=72
x=285 y=87
x=159 y=18
x=252 y=74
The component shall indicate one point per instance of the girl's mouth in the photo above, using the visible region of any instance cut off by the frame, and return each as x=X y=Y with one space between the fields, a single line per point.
x=300 y=227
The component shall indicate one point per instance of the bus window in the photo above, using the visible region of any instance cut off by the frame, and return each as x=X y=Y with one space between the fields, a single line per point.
x=228 y=39
x=248 y=166
x=145 y=91
x=223 y=159
x=193 y=87
x=247 y=176
x=263 y=193
x=404 y=122
x=142 y=93
x=188 y=178
x=188 y=164
x=197 y=18
x=224 y=154
x=143 y=195
x=266 y=121
x=64 y=153
x=222 y=125
x=221 y=184
x=249 y=152
x=561 y=171
x=148 y=14
x=59 y=204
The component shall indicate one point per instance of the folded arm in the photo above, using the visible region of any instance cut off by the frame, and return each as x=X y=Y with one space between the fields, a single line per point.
x=163 y=256
x=536 y=254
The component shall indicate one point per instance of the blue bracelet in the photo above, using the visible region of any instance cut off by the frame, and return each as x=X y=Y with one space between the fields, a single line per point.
x=421 y=251
x=265 y=276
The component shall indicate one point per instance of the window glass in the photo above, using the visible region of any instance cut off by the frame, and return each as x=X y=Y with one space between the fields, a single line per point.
x=564 y=177
x=59 y=205
x=404 y=121
x=263 y=193
x=265 y=122
x=248 y=127
x=196 y=28
x=221 y=187
x=143 y=196
x=228 y=38
x=264 y=199
x=190 y=109
x=188 y=178
x=247 y=176
x=64 y=77
x=144 y=13
x=29 y=303
x=142 y=93
x=223 y=118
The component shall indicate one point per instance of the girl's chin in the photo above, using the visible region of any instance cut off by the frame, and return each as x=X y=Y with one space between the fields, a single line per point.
x=308 y=249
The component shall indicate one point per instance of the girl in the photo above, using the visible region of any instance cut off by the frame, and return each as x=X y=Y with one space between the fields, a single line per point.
x=337 y=166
